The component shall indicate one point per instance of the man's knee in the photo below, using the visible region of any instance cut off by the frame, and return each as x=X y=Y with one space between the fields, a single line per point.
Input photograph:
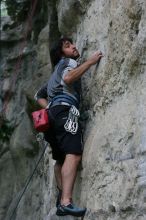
x=74 y=157
x=78 y=158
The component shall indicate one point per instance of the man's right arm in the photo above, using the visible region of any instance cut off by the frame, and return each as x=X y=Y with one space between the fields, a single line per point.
x=76 y=73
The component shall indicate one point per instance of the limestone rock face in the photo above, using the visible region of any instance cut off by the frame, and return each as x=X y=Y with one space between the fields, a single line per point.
x=111 y=180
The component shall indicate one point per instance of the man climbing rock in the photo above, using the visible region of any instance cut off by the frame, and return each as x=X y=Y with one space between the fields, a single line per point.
x=62 y=92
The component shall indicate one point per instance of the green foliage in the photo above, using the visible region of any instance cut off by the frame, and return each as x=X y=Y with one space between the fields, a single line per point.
x=3 y=8
x=21 y=10
x=17 y=9
x=6 y=131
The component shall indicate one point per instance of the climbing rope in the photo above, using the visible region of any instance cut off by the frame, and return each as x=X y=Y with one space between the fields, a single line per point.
x=30 y=177
x=12 y=87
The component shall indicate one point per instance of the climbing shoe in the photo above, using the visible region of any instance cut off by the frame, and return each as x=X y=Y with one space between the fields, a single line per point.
x=58 y=197
x=70 y=209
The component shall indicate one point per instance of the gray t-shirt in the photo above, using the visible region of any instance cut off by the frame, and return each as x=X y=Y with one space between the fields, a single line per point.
x=56 y=85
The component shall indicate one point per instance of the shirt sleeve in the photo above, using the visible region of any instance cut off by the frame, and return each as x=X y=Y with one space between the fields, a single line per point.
x=42 y=92
x=72 y=64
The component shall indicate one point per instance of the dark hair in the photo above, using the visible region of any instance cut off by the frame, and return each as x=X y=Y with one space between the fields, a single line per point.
x=56 y=50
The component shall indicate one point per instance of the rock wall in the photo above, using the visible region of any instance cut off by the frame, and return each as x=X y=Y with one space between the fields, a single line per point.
x=111 y=181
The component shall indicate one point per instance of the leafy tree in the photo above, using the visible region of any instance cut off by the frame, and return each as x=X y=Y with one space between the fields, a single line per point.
x=17 y=9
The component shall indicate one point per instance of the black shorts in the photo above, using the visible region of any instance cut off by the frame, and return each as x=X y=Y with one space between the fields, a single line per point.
x=61 y=141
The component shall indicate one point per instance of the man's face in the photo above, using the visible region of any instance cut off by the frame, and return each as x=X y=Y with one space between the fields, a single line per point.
x=69 y=50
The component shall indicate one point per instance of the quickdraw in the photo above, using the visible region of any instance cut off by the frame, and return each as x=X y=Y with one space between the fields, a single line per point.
x=71 y=124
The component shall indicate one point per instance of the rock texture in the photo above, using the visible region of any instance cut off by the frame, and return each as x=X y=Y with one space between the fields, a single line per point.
x=111 y=180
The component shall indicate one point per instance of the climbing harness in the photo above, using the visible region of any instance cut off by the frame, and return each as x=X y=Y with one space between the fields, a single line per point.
x=71 y=124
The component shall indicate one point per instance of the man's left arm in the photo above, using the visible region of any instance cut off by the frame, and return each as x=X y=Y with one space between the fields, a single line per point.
x=42 y=97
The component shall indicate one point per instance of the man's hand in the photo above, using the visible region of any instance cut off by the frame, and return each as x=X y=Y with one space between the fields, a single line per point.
x=95 y=57
x=42 y=102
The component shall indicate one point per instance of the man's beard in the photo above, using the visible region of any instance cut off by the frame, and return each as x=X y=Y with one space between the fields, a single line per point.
x=75 y=57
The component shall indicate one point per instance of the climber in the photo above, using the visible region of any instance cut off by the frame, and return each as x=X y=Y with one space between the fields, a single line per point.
x=62 y=92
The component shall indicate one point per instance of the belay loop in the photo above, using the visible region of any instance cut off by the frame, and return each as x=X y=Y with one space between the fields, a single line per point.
x=71 y=124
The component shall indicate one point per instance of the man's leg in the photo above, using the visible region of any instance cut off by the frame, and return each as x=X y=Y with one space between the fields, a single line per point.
x=68 y=176
x=57 y=171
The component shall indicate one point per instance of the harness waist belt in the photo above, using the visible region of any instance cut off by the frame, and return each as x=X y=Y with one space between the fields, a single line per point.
x=65 y=98
x=60 y=103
